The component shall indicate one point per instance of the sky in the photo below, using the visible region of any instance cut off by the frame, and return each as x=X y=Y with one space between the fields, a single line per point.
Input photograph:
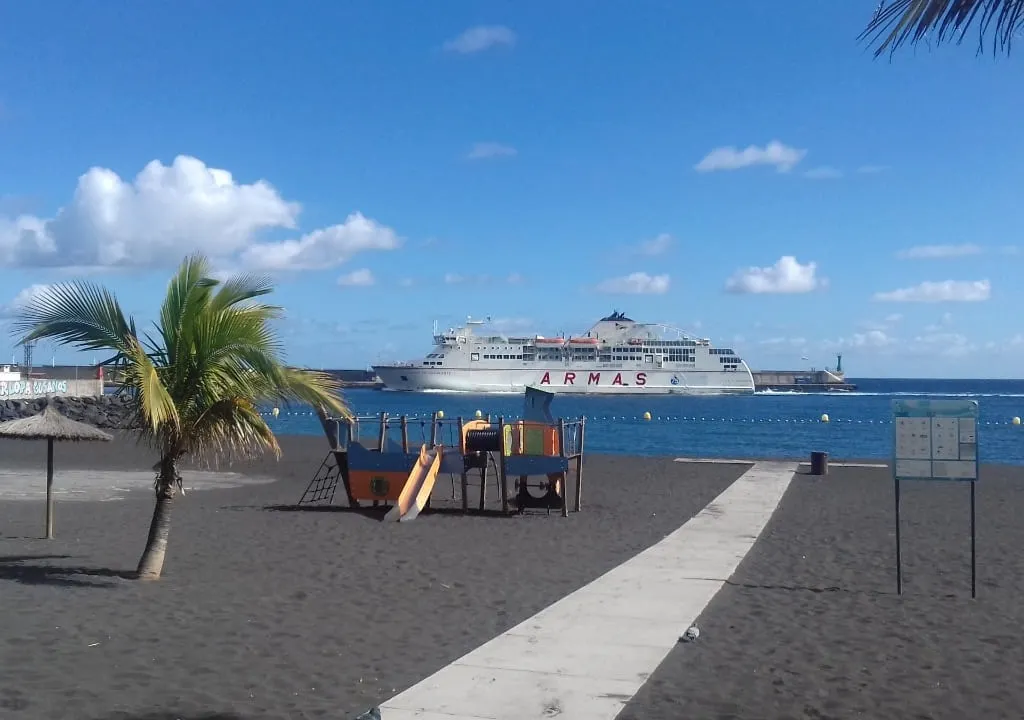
x=745 y=171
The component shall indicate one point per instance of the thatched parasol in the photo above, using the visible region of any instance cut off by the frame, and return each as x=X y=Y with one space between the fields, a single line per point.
x=50 y=425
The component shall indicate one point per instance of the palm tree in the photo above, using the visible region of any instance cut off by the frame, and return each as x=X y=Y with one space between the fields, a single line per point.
x=898 y=22
x=196 y=381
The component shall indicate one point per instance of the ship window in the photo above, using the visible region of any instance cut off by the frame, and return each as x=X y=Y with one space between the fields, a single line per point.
x=519 y=357
x=648 y=358
x=474 y=356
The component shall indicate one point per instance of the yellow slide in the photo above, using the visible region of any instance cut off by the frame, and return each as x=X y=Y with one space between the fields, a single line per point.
x=417 y=488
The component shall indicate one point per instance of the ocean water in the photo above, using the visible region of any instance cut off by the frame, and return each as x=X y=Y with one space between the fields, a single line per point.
x=764 y=425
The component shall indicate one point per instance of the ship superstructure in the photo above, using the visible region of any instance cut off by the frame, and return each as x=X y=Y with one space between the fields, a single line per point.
x=616 y=355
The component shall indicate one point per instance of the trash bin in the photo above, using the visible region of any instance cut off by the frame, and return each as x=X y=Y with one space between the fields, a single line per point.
x=819 y=463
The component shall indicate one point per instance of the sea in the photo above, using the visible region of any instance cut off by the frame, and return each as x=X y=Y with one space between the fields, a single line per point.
x=762 y=425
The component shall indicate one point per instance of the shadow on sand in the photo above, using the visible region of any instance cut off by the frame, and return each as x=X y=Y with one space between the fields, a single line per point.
x=378 y=513
x=35 y=570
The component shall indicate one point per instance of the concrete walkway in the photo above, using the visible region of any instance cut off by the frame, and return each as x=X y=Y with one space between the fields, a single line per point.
x=585 y=656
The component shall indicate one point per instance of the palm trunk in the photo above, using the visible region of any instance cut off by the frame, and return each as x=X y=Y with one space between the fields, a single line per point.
x=151 y=564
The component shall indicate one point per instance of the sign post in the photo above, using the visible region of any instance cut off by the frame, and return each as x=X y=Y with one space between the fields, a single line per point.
x=935 y=440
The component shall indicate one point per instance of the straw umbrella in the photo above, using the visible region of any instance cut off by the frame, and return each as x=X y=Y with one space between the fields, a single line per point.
x=51 y=425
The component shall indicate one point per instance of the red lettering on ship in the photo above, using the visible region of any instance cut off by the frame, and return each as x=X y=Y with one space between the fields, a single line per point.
x=546 y=380
x=594 y=379
x=570 y=378
x=641 y=378
x=618 y=379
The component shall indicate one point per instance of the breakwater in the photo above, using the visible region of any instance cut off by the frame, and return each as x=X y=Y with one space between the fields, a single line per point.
x=109 y=412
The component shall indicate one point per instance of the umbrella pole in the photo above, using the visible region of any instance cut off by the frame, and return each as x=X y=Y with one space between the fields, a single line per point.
x=49 y=488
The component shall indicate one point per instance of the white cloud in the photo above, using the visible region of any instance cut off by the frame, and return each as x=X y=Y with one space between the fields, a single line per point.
x=787 y=276
x=944 y=291
x=406 y=282
x=481 y=37
x=488 y=150
x=22 y=299
x=357 y=278
x=921 y=252
x=167 y=211
x=515 y=279
x=453 y=279
x=638 y=283
x=658 y=245
x=325 y=248
x=782 y=157
x=823 y=173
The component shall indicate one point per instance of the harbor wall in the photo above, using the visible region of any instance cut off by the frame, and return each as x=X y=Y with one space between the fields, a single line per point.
x=109 y=412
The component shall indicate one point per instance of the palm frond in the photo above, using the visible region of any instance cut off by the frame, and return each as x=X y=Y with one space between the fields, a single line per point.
x=156 y=407
x=240 y=288
x=232 y=426
x=80 y=314
x=197 y=379
x=319 y=389
x=910 y=21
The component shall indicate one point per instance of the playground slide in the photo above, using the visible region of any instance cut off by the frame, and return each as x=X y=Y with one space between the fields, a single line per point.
x=416 y=490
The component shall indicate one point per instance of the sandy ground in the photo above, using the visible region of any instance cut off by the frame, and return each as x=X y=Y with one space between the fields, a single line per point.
x=810 y=626
x=272 y=614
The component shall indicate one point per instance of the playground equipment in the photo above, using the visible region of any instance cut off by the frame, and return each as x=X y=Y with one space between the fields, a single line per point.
x=391 y=473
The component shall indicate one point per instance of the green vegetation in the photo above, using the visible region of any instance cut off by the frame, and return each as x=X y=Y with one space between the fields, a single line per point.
x=196 y=380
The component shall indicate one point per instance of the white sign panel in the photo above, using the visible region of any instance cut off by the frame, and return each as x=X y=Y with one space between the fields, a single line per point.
x=935 y=439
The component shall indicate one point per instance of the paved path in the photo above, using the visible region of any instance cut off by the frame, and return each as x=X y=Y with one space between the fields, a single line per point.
x=585 y=656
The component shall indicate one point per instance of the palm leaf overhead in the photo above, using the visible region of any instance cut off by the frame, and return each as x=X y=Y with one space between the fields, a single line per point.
x=899 y=22
x=198 y=379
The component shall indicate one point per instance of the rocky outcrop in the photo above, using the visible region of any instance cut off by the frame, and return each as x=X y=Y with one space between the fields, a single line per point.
x=109 y=412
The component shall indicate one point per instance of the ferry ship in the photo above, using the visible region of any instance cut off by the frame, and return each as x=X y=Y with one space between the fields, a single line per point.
x=616 y=356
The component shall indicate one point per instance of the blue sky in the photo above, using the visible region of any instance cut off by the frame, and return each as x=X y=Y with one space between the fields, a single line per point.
x=745 y=170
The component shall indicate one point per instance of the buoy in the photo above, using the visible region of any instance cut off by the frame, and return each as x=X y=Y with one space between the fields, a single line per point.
x=1016 y=420
x=824 y=417
x=647 y=415
x=479 y=414
x=440 y=414
x=275 y=412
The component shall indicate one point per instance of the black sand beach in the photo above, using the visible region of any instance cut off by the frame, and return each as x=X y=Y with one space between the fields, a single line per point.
x=811 y=626
x=272 y=614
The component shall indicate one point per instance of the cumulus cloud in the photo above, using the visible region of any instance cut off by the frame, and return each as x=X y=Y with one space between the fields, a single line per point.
x=22 y=299
x=480 y=38
x=776 y=154
x=638 y=283
x=923 y=252
x=944 y=291
x=167 y=211
x=489 y=150
x=357 y=278
x=324 y=248
x=787 y=276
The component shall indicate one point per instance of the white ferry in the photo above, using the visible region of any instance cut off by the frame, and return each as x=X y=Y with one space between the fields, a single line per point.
x=616 y=356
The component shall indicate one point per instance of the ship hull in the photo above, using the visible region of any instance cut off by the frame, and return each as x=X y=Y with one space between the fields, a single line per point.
x=599 y=381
